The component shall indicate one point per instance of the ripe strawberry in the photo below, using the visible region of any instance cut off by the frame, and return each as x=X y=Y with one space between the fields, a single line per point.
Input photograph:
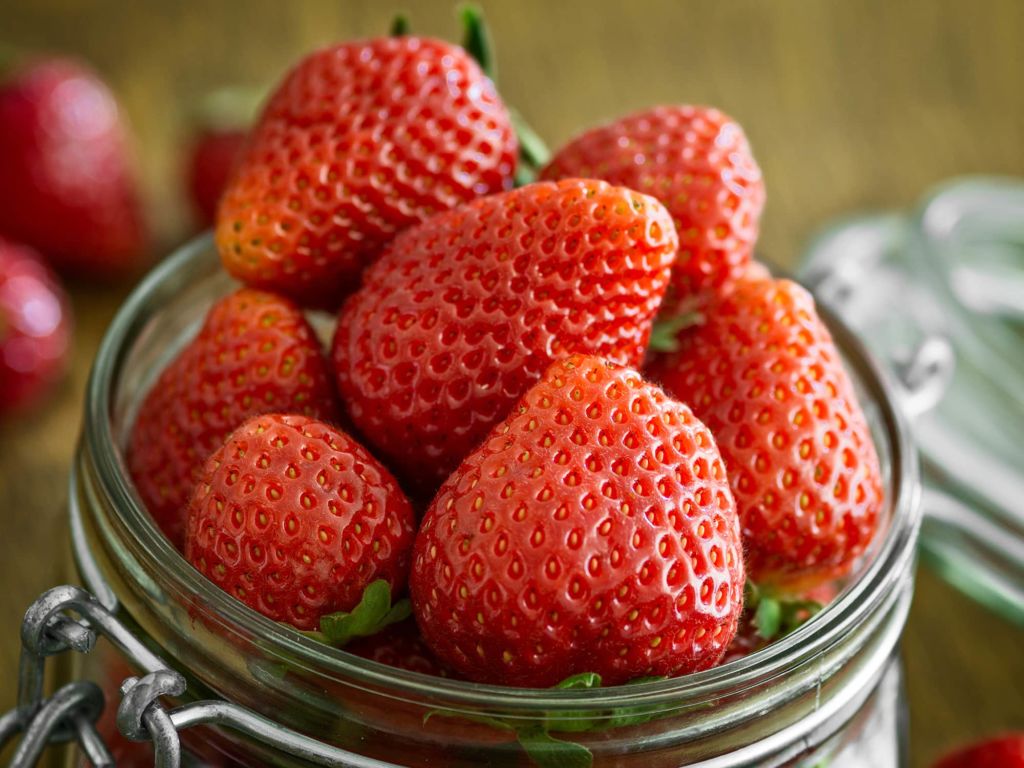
x=34 y=328
x=254 y=354
x=400 y=645
x=295 y=518
x=1001 y=752
x=211 y=158
x=592 y=531
x=360 y=141
x=222 y=125
x=762 y=372
x=464 y=312
x=68 y=186
x=697 y=161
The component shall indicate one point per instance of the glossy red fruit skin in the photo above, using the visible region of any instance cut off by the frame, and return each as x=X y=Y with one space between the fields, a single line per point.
x=255 y=353
x=35 y=329
x=763 y=373
x=463 y=313
x=592 y=531
x=1005 y=751
x=295 y=518
x=360 y=141
x=695 y=160
x=69 y=187
x=400 y=645
x=212 y=156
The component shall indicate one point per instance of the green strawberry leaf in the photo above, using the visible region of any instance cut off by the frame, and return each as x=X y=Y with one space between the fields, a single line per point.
x=399 y=25
x=545 y=751
x=768 y=618
x=776 y=615
x=477 y=40
x=532 y=149
x=495 y=722
x=582 y=680
x=370 y=616
x=665 y=333
x=624 y=717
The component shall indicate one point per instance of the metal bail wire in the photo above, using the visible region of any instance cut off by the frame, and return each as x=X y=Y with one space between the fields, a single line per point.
x=72 y=711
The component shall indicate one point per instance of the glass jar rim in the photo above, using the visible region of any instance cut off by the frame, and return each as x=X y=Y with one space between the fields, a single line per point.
x=878 y=577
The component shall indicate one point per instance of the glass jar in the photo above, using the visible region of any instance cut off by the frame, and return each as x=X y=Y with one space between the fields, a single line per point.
x=951 y=270
x=828 y=692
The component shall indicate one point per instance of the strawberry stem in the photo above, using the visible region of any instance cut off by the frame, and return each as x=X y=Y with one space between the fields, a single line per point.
x=400 y=25
x=477 y=40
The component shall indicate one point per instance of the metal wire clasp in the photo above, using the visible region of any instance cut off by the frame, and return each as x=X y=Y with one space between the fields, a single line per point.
x=72 y=711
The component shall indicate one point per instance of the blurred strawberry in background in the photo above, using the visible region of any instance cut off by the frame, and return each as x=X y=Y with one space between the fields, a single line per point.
x=34 y=328
x=221 y=127
x=1006 y=751
x=67 y=181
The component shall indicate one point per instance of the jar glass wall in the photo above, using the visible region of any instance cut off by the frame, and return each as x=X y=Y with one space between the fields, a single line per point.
x=830 y=690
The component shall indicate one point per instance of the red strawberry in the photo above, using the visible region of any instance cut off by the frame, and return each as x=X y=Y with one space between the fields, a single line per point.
x=295 y=518
x=592 y=531
x=68 y=186
x=762 y=372
x=400 y=645
x=212 y=156
x=360 y=141
x=697 y=161
x=463 y=313
x=254 y=354
x=222 y=127
x=34 y=328
x=1001 y=752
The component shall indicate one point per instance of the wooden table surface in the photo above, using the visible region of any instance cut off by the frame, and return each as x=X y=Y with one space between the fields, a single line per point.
x=848 y=105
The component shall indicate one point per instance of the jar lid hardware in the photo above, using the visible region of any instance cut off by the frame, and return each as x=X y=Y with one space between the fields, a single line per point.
x=71 y=712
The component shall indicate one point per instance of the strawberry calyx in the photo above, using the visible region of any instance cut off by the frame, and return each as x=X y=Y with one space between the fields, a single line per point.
x=533 y=152
x=547 y=751
x=665 y=332
x=775 y=614
x=373 y=613
x=477 y=40
x=399 y=25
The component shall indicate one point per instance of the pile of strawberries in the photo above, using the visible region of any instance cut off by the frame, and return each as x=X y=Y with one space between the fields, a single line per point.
x=494 y=429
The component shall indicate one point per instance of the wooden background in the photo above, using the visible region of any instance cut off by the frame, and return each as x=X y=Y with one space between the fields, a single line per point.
x=849 y=105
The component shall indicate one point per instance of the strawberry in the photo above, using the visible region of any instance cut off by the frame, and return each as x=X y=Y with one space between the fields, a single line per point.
x=360 y=141
x=762 y=372
x=221 y=128
x=400 y=645
x=211 y=158
x=35 y=328
x=295 y=519
x=68 y=183
x=592 y=531
x=697 y=161
x=1001 y=752
x=254 y=354
x=464 y=312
